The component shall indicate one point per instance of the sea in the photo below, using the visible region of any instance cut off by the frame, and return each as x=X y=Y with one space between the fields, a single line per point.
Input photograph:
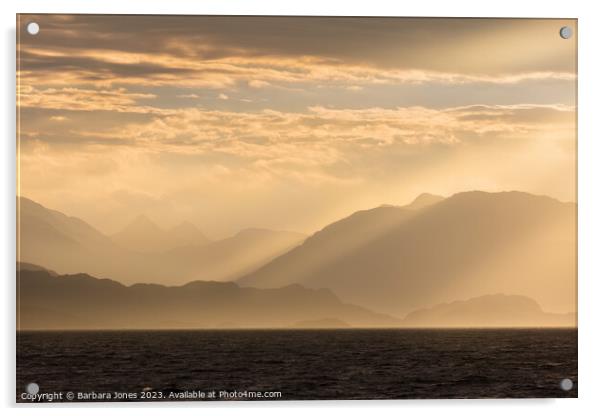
x=304 y=364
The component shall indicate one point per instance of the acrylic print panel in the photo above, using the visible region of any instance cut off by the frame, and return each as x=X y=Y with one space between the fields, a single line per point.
x=284 y=208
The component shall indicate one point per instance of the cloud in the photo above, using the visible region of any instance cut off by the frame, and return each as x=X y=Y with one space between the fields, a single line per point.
x=258 y=84
x=108 y=115
x=324 y=135
x=222 y=96
x=448 y=45
x=375 y=153
x=80 y=99
x=104 y=68
x=222 y=52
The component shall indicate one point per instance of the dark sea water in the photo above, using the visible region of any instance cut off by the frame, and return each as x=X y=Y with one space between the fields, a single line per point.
x=300 y=364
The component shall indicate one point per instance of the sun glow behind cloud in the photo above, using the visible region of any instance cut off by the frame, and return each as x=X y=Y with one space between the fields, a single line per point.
x=233 y=125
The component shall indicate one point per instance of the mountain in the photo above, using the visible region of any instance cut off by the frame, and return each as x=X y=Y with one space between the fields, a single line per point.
x=81 y=301
x=40 y=223
x=62 y=243
x=186 y=234
x=142 y=235
x=233 y=257
x=69 y=245
x=424 y=200
x=398 y=259
x=33 y=268
x=489 y=311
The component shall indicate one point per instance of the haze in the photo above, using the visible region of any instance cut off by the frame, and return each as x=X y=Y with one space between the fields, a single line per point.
x=287 y=123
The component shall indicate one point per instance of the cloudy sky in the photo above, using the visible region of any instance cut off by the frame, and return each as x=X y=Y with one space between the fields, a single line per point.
x=288 y=123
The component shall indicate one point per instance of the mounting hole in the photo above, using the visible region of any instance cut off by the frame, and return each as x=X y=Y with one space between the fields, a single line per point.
x=566 y=384
x=33 y=28
x=566 y=32
x=32 y=388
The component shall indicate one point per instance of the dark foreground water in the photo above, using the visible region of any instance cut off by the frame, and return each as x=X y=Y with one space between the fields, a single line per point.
x=296 y=364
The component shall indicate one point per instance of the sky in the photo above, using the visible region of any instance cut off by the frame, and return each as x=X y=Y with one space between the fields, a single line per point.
x=288 y=123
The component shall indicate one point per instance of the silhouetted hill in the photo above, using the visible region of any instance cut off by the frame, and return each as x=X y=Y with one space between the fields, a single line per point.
x=80 y=301
x=70 y=245
x=489 y=311
x=33 y=268
x=397 y=259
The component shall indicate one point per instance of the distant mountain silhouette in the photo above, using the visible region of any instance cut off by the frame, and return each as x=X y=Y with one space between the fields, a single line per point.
x=81 y=301
x=34 y=268
x=142 y=235
x=397 y=259
x=63 y=243
x=424 y=200
x=489 y=311
x=70 y=245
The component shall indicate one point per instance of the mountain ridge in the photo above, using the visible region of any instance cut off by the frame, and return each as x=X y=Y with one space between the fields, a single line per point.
x=424 y=200
x=81 y=301
x=494 y=310
x=465 y=245
x=70 y=245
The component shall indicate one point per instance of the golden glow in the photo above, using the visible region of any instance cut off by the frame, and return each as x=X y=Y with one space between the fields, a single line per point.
x=226 y=125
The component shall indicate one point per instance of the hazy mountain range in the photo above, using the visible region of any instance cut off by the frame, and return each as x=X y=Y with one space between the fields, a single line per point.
x=49 y=301
x=488 y=311
x=389 y=259
x=397 y=259
x=142 y=251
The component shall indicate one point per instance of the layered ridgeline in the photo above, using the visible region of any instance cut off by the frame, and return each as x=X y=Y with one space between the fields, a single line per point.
x=49 y=301
x=142 y=252
x=398 y=259
x=389 y=259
